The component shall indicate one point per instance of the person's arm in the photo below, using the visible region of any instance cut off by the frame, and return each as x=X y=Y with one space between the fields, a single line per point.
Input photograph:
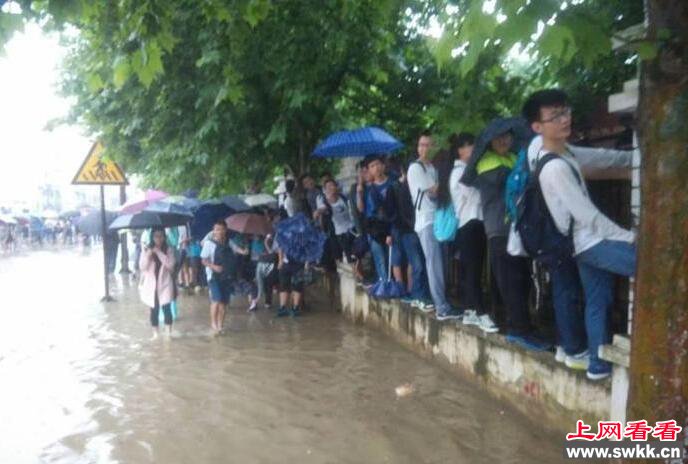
x=321 y=209
x=419 y=181
x=146 y=261
x=238 y=249
x=360 y=196
x=280 y=258
x=558 y=182
x=167 y=260
x=207 y=256
x=603 y=163
x=457 y=190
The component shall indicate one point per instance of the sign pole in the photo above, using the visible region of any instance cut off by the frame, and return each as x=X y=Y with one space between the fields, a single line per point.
x=99 y=170
x=103 y=224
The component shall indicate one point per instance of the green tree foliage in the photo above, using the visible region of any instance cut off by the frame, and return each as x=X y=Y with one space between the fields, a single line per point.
x=219 y=94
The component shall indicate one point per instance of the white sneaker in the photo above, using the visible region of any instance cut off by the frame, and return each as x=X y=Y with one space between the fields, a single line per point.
x=470 y=317
x=487 y=325
x=578 y=361
x=560 y=355
x=423 y=306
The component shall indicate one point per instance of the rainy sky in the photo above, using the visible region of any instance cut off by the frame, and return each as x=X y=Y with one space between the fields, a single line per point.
x=29 y=155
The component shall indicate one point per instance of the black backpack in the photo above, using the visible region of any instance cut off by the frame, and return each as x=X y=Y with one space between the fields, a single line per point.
x=225 y=257
x=540 y=236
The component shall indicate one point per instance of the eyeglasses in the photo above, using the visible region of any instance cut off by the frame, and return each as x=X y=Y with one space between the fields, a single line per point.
x=559 y=116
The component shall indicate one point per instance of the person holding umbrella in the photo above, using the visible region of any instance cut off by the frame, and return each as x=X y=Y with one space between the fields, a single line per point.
x=157 y=286
x=491 y=162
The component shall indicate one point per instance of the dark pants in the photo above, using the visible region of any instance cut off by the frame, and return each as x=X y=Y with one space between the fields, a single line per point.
x=568 y=311
x=155 y=315
x=472 y=248
x=513 y=281
x=346 y=241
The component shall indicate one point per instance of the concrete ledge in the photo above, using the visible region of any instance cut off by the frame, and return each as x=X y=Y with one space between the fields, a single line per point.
x=532 y=382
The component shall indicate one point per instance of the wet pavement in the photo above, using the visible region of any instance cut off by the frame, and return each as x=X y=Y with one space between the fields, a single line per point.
x=83 y=383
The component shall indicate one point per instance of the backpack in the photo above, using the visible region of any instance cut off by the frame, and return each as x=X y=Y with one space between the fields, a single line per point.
x=444 y=225
x=406 y=215
x=225 y=257
x=541 y=238
x=516 y=184
x=420 y=195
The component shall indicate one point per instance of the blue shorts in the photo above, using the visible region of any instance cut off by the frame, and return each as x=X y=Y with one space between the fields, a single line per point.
x=220 y=291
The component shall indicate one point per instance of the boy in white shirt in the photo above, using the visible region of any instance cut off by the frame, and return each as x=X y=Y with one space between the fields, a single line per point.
x=471 y=239
x=422 y=182
x=601 y=248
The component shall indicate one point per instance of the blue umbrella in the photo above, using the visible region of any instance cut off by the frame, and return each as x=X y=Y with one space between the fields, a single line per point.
x=300 y=240
x=389 y=288
x=206 y=215
x=360 y=142
x=167 y=207
x=190 y=193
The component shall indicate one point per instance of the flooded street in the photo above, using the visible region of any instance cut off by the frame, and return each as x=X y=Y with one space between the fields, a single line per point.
x=83 y=383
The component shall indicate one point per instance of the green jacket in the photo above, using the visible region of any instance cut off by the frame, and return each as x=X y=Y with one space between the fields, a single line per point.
x=493 y=171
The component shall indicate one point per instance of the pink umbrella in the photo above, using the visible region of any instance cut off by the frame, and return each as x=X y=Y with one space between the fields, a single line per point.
x=136 y=205
x=249 y=223
x=155 y=195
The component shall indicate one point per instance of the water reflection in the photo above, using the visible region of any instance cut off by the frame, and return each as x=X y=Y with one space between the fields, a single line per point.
x=82 y=382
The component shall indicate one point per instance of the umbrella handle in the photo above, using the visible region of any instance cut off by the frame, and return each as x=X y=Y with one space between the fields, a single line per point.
x=389 y=265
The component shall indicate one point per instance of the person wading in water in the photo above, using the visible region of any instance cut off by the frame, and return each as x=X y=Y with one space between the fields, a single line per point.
x=157 y=286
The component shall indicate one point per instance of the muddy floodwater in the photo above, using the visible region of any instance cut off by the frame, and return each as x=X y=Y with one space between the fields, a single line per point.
x=81 y=382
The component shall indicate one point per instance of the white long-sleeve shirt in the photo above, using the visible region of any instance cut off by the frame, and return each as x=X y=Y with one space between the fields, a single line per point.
x=421 y=178
x=568 y=199
x=466 y=200
x=595 y=163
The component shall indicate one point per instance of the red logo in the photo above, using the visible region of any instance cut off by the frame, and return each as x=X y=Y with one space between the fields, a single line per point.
x=635 y=430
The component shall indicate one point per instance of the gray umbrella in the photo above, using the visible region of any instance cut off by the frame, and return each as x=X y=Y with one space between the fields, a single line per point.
x=91 y=224
x=517 y=126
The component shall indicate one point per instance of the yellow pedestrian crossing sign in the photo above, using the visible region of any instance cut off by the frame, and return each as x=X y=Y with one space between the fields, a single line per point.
x=96 y=170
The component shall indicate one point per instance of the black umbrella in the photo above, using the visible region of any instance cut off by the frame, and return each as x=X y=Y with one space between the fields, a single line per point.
x=91 y=224
x=517 y=126
x=147 y=220
x=206 y=215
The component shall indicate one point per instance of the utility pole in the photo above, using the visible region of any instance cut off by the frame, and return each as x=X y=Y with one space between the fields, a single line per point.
x=124 y=266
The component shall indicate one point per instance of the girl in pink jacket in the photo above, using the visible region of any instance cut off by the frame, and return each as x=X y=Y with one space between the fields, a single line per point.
x=157 y=289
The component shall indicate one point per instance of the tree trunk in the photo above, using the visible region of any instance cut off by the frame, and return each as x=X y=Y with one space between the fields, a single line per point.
x=302 y=154
x=124 y=268
x=659 y=354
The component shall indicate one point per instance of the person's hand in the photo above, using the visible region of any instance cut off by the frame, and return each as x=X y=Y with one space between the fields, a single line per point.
x=433 y=189
x=388 y=240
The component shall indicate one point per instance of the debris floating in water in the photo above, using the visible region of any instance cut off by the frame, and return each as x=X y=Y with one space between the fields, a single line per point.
x=404 y=390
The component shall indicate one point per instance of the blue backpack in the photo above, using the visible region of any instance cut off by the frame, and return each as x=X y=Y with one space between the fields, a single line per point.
x=516 y=184
x=445 y=224
x=540 y=236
